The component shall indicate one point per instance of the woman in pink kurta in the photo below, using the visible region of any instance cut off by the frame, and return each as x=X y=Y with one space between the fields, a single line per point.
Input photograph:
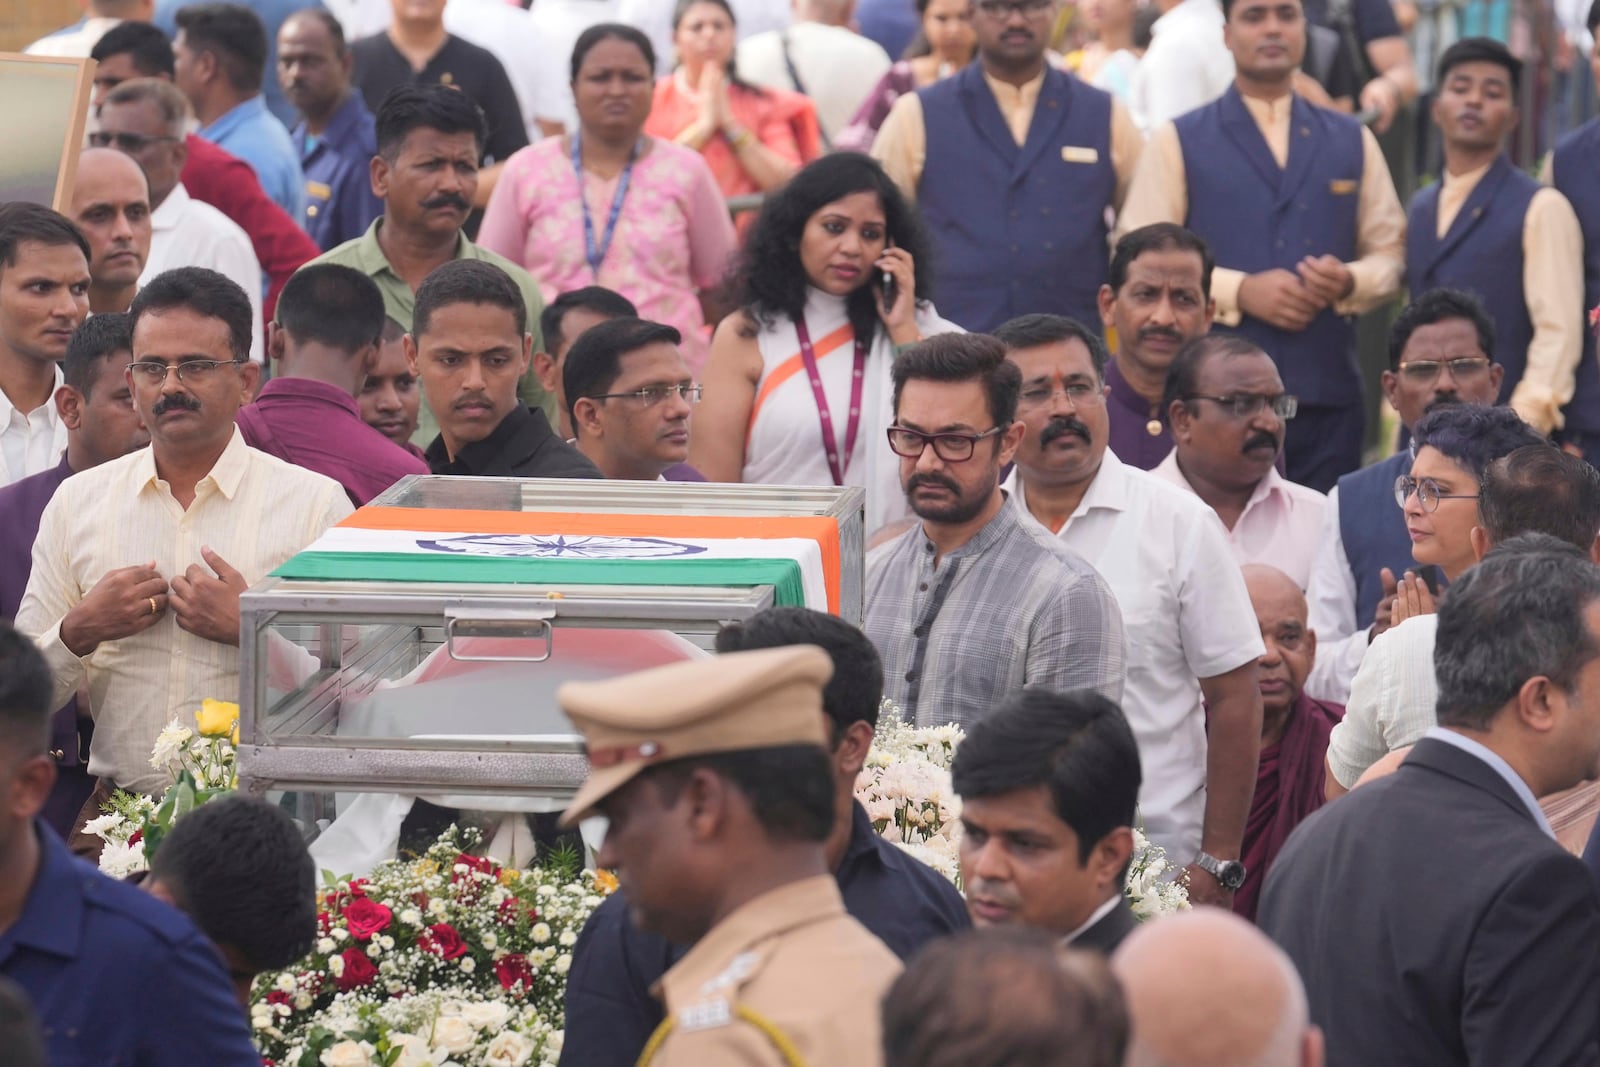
x=607 y=205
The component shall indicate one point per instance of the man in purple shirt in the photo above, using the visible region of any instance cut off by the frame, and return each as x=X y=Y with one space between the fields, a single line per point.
x=97 y=408
x=629 y=395
x=330 y=319
x=1158 y=296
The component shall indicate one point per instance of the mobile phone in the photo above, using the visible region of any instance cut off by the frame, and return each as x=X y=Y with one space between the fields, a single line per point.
x=890 y=293
x=1429 y=573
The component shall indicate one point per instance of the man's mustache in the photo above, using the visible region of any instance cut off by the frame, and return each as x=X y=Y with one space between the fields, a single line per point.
x=1261 y=439
x=169 y=401
x=1059 y=427
x=454 y=200
x=919 y=480
x=1160 y=331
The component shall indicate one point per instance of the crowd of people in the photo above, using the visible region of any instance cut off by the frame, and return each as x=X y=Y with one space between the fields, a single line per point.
x=1092 y=316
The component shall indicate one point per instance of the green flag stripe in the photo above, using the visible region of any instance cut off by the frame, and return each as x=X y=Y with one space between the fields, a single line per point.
x=782 y=574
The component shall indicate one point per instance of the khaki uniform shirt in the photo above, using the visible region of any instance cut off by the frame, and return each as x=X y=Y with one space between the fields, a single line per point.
x=789 y=972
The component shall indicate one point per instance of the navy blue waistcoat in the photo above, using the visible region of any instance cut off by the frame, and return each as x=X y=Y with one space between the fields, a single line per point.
x=1257 y=216
x=1577 y=161
x=1017 y=230
x=1481 y=254
x=1373 y=529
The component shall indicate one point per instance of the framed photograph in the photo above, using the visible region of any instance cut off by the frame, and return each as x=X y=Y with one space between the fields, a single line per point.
x=41 y=126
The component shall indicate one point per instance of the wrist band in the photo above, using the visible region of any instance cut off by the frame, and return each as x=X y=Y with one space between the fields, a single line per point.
x=738 y=137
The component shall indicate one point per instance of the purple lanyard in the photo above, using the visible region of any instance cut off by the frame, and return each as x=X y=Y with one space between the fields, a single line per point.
x=830 y=441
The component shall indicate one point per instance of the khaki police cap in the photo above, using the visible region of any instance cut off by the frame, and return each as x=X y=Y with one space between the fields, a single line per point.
x=735 y=701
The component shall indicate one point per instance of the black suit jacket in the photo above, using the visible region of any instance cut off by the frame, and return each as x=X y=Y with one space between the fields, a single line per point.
x=1435 y=924
x=1105 y=935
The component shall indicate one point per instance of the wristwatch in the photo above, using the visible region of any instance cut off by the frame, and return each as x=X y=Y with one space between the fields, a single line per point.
x=1229 y=873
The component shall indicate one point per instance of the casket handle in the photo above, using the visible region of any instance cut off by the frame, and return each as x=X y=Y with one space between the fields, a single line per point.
x=463 y=622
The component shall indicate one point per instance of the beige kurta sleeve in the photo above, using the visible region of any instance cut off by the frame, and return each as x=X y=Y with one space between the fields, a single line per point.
x=1380 y=235
x=902 y=144
x=1127 y=144
x=1552 y=286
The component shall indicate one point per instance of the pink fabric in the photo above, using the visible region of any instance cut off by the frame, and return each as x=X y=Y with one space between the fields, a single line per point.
x=784 y=122
x=673 y=237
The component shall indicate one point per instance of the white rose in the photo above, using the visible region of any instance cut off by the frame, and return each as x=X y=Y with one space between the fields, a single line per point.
x=509 y=1049
x=348 y=1054
x=541 y=933
x=453 y=1034
x=563 y=964
x=414 y=1051
x=489 y=1015
x=326 y=945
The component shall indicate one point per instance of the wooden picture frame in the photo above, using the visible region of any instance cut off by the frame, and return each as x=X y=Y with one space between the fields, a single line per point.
x=41 y=126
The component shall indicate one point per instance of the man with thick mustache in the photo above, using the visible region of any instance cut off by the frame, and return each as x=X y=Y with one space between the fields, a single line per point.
x=140 y=561
x=426 y=173
x=1191 y=631
x=1229 y=411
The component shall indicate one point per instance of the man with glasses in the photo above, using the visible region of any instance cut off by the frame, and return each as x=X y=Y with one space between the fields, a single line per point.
x=1229 y=412
x=1298 y=207
x=145 y=118
x=1491 y=230
x=1439 y=354
x=1392 y=694
x=629 y=395
x=140 y=561
x=469 y=346
x=977 y=600
x=1192 y=636
x=1015 y=166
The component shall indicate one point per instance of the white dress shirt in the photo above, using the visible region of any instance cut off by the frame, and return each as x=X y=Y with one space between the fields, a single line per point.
x=74 y=42
x=1280 y=525
x=1185 y=67
x=254 y=510
x=186 y=232
x=1186 y=614
x=1393 y=700
x=1331 y=597
x=1497 y=764
x=839 y=68
x=30 y=441
x=558 y=25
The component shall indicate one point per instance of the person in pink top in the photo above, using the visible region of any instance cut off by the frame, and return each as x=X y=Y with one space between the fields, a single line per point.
x=608 y=205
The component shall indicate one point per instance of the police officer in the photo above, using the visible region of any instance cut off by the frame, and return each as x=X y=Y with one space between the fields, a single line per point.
x=718 y=792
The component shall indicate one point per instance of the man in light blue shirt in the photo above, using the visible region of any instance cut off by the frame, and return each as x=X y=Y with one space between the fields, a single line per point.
x=273 y=14
x=219 y=57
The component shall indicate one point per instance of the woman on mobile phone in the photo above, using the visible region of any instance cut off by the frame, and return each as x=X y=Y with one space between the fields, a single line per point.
x=797 y=389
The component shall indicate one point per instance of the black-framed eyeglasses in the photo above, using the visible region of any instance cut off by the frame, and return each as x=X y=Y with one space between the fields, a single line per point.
x=950 y=447
x=124 y=142
x=1004 y=8
x=656 y=394
x=190 y=370
x=1248 y=405
x=1427 y=490
x=1080 y=394
x=1462 y=369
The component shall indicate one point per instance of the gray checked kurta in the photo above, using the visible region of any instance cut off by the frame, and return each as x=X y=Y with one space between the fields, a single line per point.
x=1013 y=607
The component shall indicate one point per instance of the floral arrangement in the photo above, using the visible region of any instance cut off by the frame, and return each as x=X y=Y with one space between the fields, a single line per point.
x=201 y=764
x=905 y=787
x=447 y=960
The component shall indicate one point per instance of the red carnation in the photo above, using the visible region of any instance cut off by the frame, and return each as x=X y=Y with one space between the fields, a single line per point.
x=513 y=969
x=358 y=887
x=476 y=863
x=365 y=917
x=278 y=996
x=135 y=837
x=358 y=970
x=442 y=940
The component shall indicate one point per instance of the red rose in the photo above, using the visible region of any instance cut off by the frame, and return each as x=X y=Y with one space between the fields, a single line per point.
x=278 y=996
x=442 y=940
x=513 y=969
x=475 y=863
x=358 y=887
x=358 y=970
x=135 y=837
x=365 y=917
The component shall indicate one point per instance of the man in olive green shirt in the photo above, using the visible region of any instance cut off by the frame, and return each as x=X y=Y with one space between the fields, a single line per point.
x=426 y=173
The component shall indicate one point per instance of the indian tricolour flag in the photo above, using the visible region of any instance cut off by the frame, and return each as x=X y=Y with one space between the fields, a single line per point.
x=798 y=556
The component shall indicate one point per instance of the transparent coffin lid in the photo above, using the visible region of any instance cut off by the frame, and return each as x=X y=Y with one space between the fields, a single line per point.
x=596 y=496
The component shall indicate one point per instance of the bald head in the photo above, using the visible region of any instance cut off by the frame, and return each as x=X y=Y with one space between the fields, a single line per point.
x=111 y=205
x=1269 y=585
x=1290 y=648
x=1249 y=1012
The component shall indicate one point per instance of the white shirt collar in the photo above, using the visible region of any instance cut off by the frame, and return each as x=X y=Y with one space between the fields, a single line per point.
x=1095 y=916
x=1108 y=490
x=172 y=209
x=1500 y=767
x=7 y=408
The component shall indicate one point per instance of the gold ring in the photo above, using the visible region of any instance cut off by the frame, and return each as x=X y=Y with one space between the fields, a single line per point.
x=153 y=608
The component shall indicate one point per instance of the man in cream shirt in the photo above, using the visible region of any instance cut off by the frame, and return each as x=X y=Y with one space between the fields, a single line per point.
x=139 y=562
x=1192 y=633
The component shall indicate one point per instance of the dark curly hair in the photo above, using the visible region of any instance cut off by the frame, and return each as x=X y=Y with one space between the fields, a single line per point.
x=768 y=278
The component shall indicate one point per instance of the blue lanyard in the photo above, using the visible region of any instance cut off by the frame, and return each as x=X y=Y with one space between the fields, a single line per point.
x=596 y=253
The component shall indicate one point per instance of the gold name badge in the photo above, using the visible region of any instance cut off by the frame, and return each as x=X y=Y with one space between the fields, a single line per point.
x=1342 y=186
x=1072 y=153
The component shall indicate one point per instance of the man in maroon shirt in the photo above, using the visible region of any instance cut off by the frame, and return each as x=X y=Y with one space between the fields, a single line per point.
x=329 y=321
x=226 y=182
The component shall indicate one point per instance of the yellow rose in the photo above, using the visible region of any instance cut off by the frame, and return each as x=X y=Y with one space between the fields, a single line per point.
x=217 y=718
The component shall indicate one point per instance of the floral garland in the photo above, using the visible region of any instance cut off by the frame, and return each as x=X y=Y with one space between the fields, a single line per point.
x=905 y=787
x=447 y=960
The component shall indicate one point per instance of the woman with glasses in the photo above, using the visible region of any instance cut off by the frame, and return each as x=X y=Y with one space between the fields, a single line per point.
x=944 y=45
x=834 y=279
x=609 y=205
x=754 y=139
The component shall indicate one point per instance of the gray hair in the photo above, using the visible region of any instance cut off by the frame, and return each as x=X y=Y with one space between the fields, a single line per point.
x=168 y=99
x=1517 y=615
